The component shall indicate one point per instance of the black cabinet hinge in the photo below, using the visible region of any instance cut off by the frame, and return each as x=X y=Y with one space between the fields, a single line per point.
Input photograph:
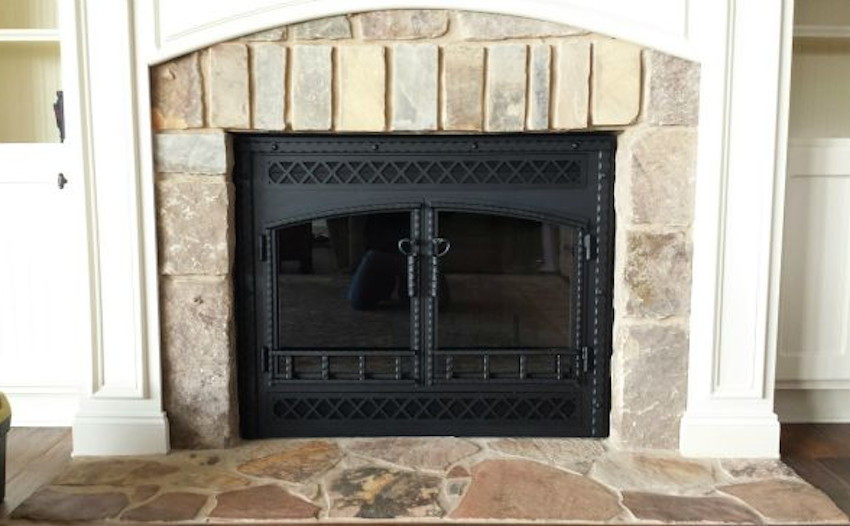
x=264 y=247
x=267 y=359
x=586 y=359
x=589 y=247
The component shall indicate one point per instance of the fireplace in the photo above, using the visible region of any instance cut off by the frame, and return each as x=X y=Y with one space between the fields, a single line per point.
x=405 y=285
x=426 y=81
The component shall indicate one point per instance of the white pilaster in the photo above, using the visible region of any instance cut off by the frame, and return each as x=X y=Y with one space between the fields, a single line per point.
x=121 y=408
x=746 y=49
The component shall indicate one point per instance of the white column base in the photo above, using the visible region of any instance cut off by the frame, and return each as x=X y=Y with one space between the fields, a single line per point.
x=142 y=434
x=729 y=437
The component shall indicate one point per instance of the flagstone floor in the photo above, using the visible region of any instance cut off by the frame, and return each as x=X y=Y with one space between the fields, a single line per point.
x=428 y=479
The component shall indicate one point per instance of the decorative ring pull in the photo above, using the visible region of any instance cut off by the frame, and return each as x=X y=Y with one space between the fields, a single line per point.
x=407 y=247
x=441 y=246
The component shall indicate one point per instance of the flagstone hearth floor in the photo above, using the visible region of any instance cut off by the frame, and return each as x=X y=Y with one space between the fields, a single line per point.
x=427 y=480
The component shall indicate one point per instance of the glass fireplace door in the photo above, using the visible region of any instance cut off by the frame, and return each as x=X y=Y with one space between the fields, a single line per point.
x=343 y=300
x=507 y=291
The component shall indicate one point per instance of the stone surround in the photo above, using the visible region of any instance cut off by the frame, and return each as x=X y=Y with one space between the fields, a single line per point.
x=426 y=71
x=437 y=480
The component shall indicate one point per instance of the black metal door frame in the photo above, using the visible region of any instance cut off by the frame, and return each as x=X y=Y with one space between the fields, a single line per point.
x=576 y=406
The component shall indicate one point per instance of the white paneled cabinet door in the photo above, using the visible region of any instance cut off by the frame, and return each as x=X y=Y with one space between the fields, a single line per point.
x=44 y=298
x=814 y=349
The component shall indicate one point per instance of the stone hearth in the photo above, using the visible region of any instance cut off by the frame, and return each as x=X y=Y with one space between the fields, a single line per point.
x=427 y=72
x=429 y=479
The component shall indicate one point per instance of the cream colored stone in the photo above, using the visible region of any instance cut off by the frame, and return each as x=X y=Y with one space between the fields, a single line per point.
x=615 y=82
x=671 y=474
x=572 y=84
x=485 y=26
x=194 y=152
x=657 y=274
x=647 y=413
x=539 y=81
x=312 y=79
x=463 y=88
x=199 y=380
x=659 y=165
x=177 y=94
x=194 y=219
x=362 y=82
x=403 y=24
x=414 y=87
x=274 y=34
x=672 y=96
x=331 y=28
x=574 y=454
x=506 y=85
x=227 y=88
x=268 y=85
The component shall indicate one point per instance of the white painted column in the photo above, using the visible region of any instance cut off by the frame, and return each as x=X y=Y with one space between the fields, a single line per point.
x=738 y=222
x=121 y=409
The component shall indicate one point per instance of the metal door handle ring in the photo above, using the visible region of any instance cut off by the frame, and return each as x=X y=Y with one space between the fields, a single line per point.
x=441 y=246
x=407 y=247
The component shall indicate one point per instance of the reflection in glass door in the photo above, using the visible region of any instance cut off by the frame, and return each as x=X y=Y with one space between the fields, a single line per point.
x=508 y=289
x=343 y=300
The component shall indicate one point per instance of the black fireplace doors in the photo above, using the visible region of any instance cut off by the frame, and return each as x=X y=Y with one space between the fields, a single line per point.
x=409 y=285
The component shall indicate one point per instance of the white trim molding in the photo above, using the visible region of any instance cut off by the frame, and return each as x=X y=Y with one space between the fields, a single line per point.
x=121 y=407
x=740 y=195
x=43 y=406
x=744 y=49
x=814 y=403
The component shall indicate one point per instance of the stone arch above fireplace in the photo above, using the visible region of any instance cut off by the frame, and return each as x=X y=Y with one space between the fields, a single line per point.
x=425 y=72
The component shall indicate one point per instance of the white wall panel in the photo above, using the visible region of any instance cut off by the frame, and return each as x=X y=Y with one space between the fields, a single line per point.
x=815 y=307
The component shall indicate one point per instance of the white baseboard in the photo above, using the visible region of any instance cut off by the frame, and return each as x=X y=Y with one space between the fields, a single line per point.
x=142 y=434
x=813 y=405
x=724 y=437
x=42 y=407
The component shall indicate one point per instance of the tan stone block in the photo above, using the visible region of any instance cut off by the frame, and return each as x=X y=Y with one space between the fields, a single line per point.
x=330 y=28
x=414 y=87
x=659 y=165
x=513 y=490
x=668 y=509
x=227 y=87
x=656 y=472
x=312 y=79
x=572 y=84
x=362 y=87
x=506 y=85
x=195 y=152
x=195 y=221
x=486 y=26
x=198 y=361
x=788 y=501
x=269 y=502
x=420 y=454
x=463 y=88
x=177 y=94
x=647 y=413
x=616 y=83
x=268 y=86
x=657 y=274
x=274 y=34
x=539 y=82
x=672 y=96
x=403 y=24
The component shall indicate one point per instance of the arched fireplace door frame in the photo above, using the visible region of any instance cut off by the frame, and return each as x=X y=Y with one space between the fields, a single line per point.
x=562 y=182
